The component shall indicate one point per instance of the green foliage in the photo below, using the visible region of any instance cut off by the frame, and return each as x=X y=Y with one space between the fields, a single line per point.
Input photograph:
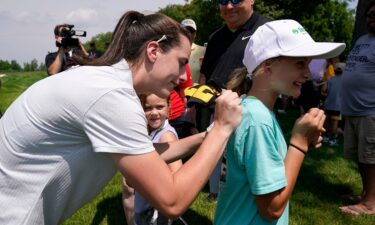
x=326 y=20
x=32 y=66
x=100 y=41
x=177 y=12
x=12 y=66
x=271 y=11
x=204 y=13
x=42 y=67
x=331 y=22
x=4 y=65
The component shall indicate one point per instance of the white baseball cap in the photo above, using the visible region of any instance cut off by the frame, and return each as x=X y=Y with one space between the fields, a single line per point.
x=285 y=38
x=189 y=23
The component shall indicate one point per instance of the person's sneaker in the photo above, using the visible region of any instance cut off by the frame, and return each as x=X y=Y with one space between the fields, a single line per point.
x=325 y=139
x=333 y=142
x=212 y=197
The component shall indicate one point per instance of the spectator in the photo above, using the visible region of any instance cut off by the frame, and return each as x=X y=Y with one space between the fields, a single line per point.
x=226 y=45
x=332 y=105
x=93 y=52
x=310 y=92
x=317 y=69
x=328 y=73
x=66 y=56
x=197 y=51
x=156 y=111
x=224 y=53
x=358 y=108
x=65 y=137
x=262 y=168
x=181 y=117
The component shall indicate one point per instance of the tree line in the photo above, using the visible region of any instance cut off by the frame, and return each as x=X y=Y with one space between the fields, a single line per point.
x=325 y=20
x=14 y=66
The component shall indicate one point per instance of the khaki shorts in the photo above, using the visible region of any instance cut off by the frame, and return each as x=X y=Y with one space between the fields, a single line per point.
x=359 y=139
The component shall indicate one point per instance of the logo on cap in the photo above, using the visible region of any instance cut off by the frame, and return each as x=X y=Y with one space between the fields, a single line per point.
x=299 y=30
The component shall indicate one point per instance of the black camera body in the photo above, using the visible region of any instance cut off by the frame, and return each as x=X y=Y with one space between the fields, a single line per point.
x=68 y=41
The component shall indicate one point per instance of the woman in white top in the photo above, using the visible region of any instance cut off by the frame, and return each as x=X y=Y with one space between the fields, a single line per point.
x=65 y=137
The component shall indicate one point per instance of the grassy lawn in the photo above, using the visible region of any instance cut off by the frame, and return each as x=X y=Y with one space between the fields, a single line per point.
x=324 y=177
x=13 y=84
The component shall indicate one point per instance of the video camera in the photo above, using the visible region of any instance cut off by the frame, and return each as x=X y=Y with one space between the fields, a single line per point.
x=67 y=34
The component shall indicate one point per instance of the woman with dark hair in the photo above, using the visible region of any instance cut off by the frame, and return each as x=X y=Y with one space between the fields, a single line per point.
x=65 y=137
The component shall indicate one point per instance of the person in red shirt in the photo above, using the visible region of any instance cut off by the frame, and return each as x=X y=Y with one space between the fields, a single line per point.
x=180 y=117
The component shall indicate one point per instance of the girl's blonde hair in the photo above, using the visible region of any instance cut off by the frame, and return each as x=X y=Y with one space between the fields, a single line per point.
x=240 y=81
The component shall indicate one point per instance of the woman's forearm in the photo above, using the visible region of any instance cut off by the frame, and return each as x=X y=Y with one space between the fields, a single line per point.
x=176 y=150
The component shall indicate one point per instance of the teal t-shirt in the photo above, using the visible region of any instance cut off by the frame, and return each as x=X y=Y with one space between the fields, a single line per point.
x=255 y=166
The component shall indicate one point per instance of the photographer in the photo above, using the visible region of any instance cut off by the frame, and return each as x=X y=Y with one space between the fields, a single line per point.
x=69 y=52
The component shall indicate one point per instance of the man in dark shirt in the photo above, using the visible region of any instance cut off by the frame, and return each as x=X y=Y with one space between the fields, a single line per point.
x=224 y=53
x=64 y=58
x=226 y=46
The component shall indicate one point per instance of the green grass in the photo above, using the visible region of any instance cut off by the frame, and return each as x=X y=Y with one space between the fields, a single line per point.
x=14 y=83
x=324 y=176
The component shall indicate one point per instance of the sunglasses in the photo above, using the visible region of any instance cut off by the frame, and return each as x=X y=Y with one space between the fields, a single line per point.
x=371 y=14
x=225 y=2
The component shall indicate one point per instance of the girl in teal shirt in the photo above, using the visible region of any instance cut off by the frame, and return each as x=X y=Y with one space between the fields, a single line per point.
x=262 y=168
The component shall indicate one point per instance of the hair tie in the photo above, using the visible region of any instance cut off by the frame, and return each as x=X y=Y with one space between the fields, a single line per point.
x=138 y=17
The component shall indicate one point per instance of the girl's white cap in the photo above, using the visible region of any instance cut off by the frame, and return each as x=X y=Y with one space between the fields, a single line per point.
x=285 y=38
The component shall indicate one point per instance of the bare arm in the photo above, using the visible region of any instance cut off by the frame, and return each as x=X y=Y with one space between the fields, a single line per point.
x=170 y=137
x=172 y=193
x=82 y=49
x=306 y=131
x=175 y=150
x=56 y=66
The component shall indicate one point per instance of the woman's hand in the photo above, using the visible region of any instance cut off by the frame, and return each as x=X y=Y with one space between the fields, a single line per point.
x=228 y=111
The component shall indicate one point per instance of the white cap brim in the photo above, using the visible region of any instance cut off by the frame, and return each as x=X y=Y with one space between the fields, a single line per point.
x=286 y=38
x=317 y=50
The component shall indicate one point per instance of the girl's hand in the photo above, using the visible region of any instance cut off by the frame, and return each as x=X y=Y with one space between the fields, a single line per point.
x=308 y=129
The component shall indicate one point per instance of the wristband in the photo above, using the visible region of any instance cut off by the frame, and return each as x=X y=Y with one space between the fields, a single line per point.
x=298 y=148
